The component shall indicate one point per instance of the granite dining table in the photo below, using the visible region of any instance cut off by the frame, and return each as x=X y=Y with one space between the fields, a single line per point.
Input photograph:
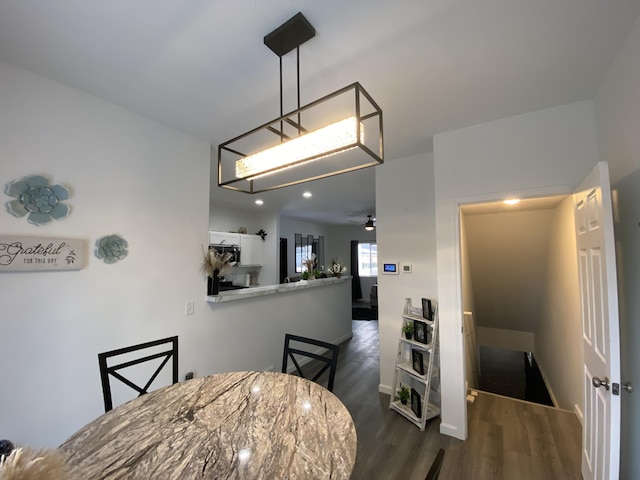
x=239 y=425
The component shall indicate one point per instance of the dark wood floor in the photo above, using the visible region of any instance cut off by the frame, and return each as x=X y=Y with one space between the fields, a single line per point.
x=508 y=439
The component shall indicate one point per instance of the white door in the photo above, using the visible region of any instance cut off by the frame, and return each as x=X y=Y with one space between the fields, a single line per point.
x=600 y=337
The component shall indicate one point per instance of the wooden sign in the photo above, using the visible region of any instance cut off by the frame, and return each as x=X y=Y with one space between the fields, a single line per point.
x=22 y=254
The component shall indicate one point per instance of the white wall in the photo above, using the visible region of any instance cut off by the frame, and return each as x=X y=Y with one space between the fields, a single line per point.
x=126 y=175
x=228 y=218
x=224 y=217
x=149 y=183
x=405 y=233
x=341 y=237
x=468 y=295
x=543 y=152
x=472 y=352
x=288 y=229
x=618 y=117
x=506 y=338
x=508 y=252
x=558 y=332
x=249 y=334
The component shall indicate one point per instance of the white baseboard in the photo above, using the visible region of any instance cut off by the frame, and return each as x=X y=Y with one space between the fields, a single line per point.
x=451 y=430
x=385 y=389
x=579 y=414
x=343 y=338
x=546 y=383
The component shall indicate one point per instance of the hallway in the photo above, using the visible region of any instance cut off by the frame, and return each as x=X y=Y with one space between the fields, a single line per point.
x=508 y=439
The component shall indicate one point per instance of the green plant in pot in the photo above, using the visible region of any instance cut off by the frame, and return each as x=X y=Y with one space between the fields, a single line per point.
x=407 y=329
x=305 y=276
x=404 y=393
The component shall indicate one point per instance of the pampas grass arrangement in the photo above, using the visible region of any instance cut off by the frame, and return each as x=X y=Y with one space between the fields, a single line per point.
x=216 y=263
x=310 y=263
x=29 y=464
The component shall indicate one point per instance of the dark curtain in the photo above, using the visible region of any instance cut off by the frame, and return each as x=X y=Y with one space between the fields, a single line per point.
x=356 y=289
x=284 y=267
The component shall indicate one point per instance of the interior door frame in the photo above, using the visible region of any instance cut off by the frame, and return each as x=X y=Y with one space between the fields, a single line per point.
x=456 y=305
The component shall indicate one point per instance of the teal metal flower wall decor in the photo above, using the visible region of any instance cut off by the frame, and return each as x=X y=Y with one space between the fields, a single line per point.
x=38 y=199
x=112 y=248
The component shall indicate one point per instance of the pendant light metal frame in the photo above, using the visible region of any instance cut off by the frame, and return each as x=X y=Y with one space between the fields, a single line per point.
x=353 y=99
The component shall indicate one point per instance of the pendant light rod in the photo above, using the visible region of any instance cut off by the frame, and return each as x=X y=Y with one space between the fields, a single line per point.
x=298 y=81
x=346 y=138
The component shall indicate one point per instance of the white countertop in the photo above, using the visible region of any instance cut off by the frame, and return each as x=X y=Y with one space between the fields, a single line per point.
x=252 y=292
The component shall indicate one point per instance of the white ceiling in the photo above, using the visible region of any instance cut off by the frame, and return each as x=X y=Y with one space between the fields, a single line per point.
x=432 y=65
x=525 y=204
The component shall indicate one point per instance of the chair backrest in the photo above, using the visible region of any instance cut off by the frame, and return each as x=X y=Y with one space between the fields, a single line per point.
x=112 y=370
x=434 y=471
x=329 y=361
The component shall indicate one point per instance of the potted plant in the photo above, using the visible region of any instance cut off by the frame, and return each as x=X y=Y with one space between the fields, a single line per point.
x=407 y=328
x=404 y=393
x=337 y=268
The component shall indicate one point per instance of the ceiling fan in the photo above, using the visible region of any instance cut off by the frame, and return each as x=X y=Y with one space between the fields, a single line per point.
x=369 y=225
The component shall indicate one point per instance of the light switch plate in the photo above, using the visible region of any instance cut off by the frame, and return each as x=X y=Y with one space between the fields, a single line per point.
x=189 y=308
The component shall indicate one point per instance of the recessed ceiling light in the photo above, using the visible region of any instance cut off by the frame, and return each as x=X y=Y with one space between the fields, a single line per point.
x=307 y=195
x=512 y=201
x=259 y=202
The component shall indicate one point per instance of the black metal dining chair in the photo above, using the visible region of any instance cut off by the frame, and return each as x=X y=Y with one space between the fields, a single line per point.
x=436 y=466
x=108 y=371
x=329 y=361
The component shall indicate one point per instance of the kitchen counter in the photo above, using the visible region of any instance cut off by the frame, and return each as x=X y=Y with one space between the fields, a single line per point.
x=253 y=292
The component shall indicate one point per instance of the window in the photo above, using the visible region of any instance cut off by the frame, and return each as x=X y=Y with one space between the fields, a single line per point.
x=367 y=259
x=302 y=253
x=307 y=245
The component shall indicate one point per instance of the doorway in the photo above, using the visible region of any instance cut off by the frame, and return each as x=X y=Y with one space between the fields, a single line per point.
x=520 y=282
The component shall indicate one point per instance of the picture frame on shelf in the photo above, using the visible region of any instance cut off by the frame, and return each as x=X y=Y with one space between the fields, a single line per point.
x=427 y=309
x=420 y=331
x=416 y=405
x=417 y=360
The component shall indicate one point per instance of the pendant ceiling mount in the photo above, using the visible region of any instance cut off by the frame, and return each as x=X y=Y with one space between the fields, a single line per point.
x=338 y=133
x=291 y=34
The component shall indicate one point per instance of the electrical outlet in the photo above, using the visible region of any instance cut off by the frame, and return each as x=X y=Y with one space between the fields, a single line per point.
x=189 y=308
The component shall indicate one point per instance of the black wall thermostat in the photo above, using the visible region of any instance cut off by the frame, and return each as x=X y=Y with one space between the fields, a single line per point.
x=390 y=268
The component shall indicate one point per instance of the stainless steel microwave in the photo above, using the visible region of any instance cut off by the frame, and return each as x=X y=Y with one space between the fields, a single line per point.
x=234 y=250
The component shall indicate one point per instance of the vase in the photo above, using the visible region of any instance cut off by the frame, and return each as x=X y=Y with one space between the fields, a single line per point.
x=215 y=283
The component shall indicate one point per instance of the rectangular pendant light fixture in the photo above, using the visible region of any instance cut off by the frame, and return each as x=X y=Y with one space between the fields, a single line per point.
x=336 y=137
x=335 y=134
